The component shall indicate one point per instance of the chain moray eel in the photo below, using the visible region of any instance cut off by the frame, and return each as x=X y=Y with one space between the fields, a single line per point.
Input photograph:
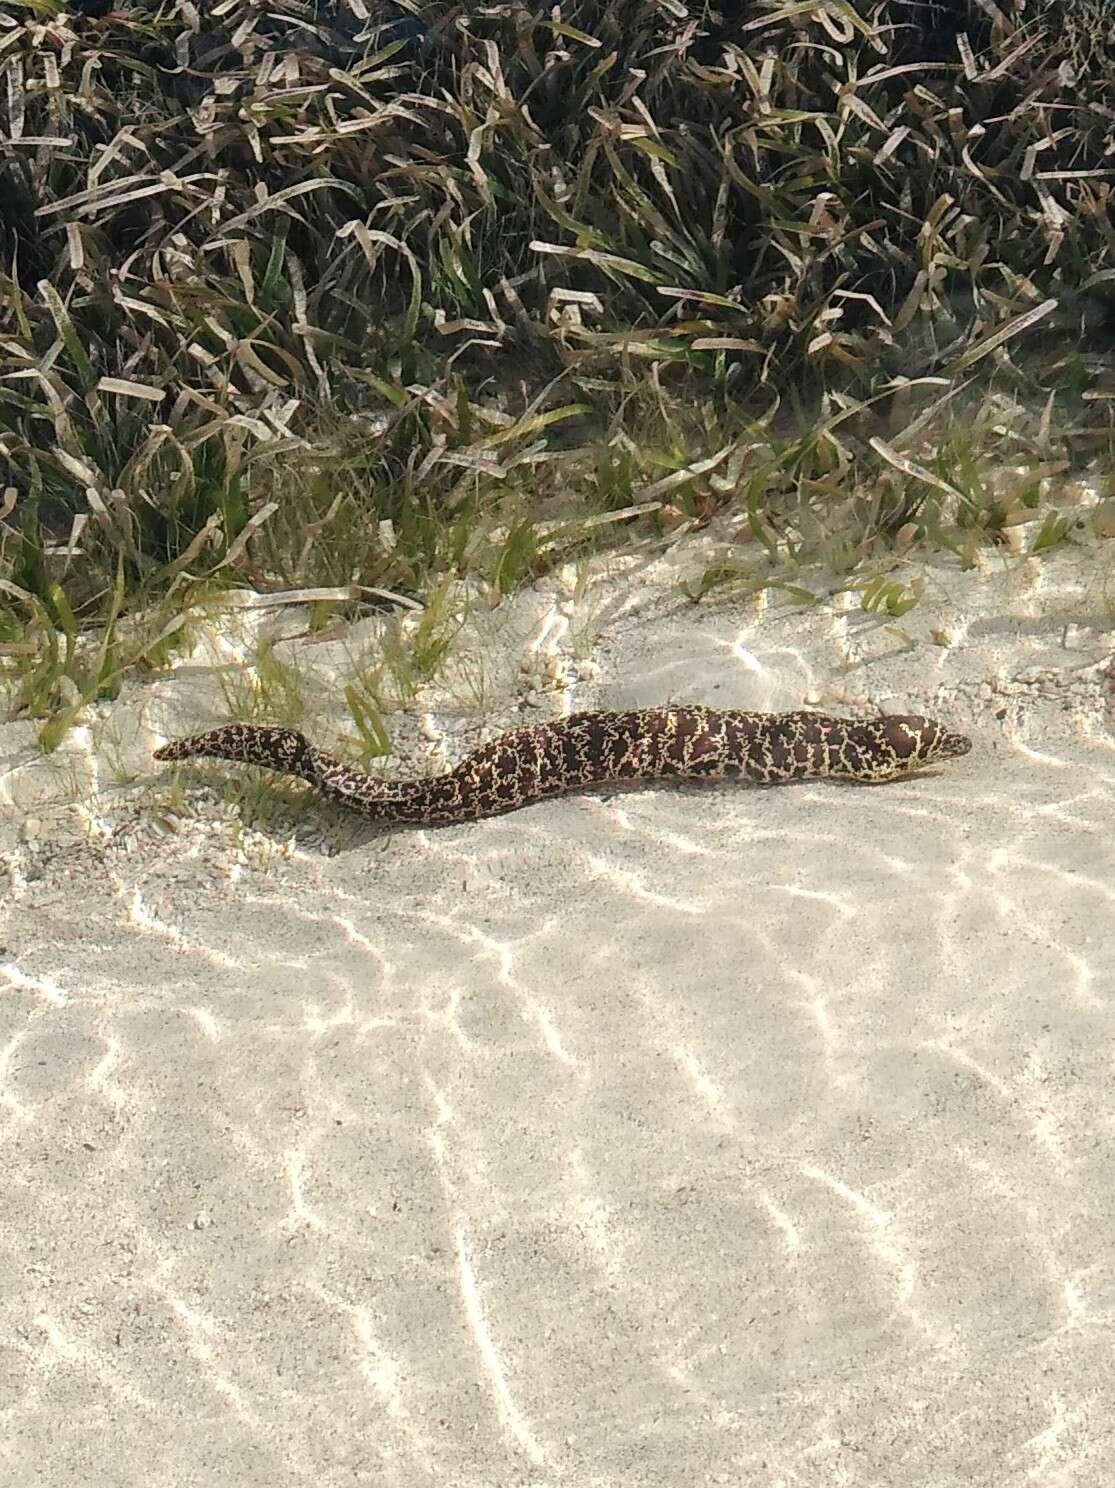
x=586 y=749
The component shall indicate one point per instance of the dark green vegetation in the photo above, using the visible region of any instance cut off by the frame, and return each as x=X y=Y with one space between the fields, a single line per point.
x=357 y=295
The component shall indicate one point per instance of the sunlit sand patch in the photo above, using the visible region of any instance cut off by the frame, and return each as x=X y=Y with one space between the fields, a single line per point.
x=72 y=1354
x=320 y=1023
x=882 y=1236
x=1008 y=862
x=511 y=1415
x=1042 y=1122
x=385 y=1374
x=1048 y=1447
x=789 y=1232
x=8 y=1065
x=634 y=884
x=672 y=841
x=142 y=917
x=100 y=1077
x=782 y=671
x=206 y=1022
x=1069 y=810
x=447 y=1016
x=838 y=902
x=817 y=1004
x=437 y=1132
x=349 y=1010
x=742 y=653
x=43 y=987
x=1039 y=1242
x=702 y=1084
x=503 y=954
x=615 y=1254
x=203 y=1337
x=1047 y=757
x=490 y=1365
x=302 y=1211
x=702 y=1087
x=594 y=1219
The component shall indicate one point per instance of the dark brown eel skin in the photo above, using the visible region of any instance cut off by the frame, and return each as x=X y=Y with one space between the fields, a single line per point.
x=587 y=749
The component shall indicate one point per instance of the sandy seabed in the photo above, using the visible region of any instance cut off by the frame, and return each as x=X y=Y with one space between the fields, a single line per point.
x=713 y=1135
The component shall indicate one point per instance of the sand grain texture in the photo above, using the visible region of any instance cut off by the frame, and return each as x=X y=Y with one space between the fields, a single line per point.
x=683 y=1136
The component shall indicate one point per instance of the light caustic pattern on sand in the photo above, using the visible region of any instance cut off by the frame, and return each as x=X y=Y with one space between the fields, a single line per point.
x=686 y=1139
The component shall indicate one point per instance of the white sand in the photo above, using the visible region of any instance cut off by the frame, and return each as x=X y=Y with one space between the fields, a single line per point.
x=669 y=1137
